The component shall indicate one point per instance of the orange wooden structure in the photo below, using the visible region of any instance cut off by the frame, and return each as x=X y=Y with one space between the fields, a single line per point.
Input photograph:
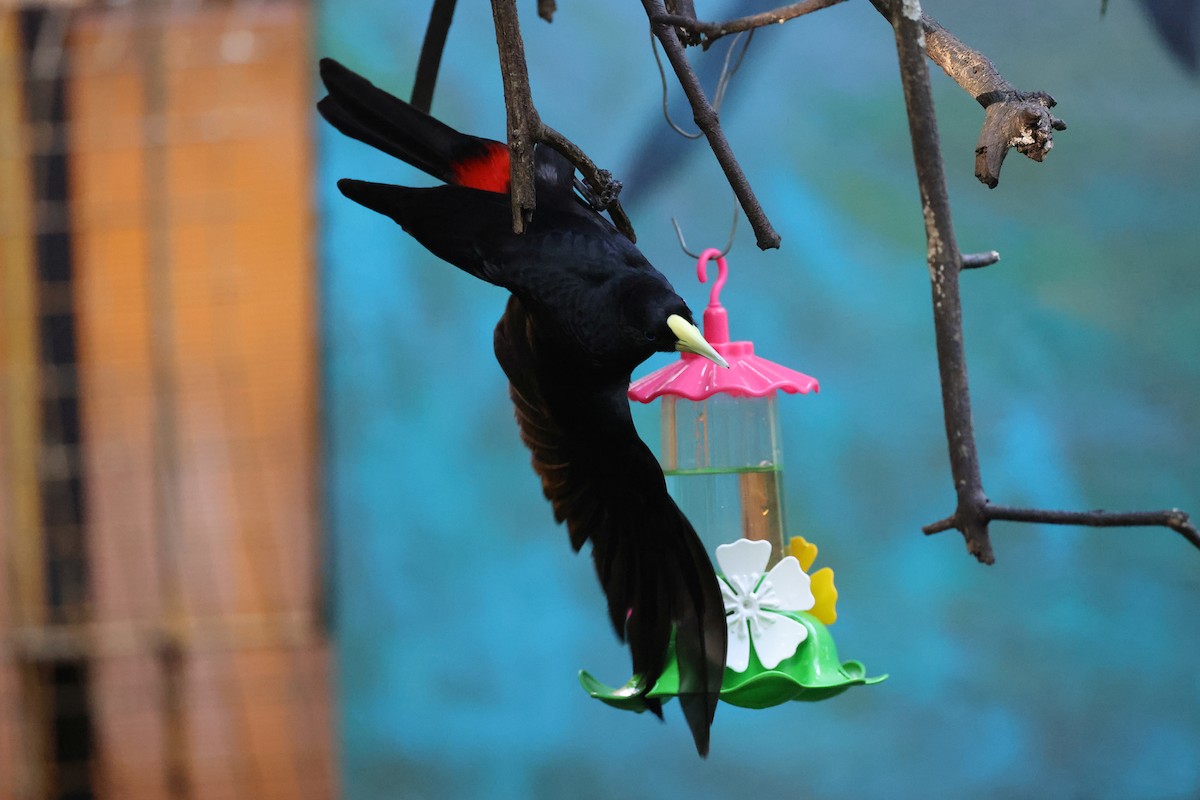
x=192 y=294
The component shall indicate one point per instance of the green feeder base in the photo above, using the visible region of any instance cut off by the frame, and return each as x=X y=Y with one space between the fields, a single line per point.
x=812 y=673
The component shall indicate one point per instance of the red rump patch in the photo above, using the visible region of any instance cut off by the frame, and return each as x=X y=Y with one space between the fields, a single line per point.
x=487 y=171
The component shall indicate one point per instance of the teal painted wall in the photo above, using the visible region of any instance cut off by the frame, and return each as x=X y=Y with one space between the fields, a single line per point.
x=1069 y=669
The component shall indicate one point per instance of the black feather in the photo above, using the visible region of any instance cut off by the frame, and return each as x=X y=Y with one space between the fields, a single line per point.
x=363 y=111
x=586 y=308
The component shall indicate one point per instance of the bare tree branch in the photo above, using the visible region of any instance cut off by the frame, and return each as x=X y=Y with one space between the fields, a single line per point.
x=523 y=119
x=525 y=129
x=546 y=9
x=693 y=31
x=1012 y=118
x=944 y=262
x=440 y=17
x=973 y=511
x=708 y=121
x=1174 y=519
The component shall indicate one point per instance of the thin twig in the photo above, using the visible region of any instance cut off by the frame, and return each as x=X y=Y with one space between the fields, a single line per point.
x=708 y=121
x=704 y=34
x=603 y=188
x=440 y=17
x=977 y=260
x=1012 y=118
x=1174 y=519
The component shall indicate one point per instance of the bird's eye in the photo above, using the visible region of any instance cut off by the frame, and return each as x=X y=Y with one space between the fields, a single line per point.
x=650 y=337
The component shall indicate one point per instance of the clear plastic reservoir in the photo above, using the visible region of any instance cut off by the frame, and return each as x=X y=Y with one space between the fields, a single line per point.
x=723 y=463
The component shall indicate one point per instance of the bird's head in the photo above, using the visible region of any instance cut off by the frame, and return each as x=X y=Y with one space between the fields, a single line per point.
x=655 y=319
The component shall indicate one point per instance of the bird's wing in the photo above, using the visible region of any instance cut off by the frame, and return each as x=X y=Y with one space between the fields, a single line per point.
x=605 y=484
x=472 y=229
x=463 y=226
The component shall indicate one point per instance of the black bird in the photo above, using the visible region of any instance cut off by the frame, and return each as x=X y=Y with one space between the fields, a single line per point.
x=586 y=308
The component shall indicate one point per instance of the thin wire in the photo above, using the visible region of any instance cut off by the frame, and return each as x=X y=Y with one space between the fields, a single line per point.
x=727 y=72
x=729 y=68
x=663 y=77
x=728 y=244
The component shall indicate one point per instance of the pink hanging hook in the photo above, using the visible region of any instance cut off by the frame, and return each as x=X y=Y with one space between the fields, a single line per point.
x=714 y=296
x=716 y=321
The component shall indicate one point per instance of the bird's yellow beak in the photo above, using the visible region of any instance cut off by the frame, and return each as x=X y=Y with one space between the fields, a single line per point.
x=692 y=341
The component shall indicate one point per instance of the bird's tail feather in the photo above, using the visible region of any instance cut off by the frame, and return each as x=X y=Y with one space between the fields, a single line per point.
x=363 y=111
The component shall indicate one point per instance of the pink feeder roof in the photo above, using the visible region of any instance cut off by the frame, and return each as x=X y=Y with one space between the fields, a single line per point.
x=697 y=378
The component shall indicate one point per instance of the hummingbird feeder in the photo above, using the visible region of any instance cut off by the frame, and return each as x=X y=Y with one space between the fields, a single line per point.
x=722 y=457
x=721 y=449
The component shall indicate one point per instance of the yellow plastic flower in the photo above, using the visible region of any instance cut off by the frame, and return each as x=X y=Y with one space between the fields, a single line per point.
x=821 y=585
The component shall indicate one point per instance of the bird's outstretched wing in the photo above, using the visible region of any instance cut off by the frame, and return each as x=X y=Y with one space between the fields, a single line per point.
x=605 y=484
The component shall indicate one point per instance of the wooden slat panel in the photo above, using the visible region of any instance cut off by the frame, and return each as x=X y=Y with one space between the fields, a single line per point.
x=22 y=588
x=237 y=167
x=19 y=502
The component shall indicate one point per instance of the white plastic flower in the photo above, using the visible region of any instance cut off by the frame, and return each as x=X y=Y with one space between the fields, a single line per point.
x=753 y=602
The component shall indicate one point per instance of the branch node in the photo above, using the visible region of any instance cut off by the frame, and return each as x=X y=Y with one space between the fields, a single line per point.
x=706 y=117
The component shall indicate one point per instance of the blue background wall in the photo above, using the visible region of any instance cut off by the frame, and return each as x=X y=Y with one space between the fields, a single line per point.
x=1069 y=669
